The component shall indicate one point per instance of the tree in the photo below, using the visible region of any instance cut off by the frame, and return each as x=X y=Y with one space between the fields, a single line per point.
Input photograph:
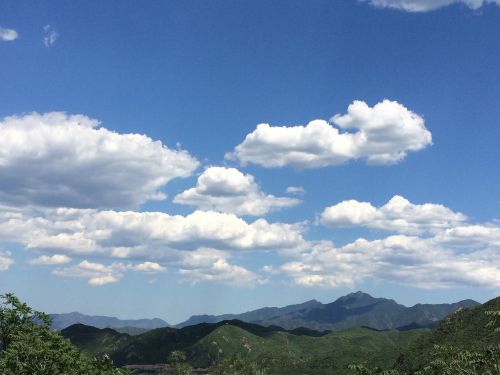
x=235 y=366
x=177 y=359
x=29 y=347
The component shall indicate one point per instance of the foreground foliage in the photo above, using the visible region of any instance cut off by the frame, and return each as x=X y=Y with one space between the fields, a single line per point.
x=29 y=347
x=455 y=359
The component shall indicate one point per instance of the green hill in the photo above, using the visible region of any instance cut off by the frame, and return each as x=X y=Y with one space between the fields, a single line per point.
x=465 y=329
x=96 y=341
x=279 y=350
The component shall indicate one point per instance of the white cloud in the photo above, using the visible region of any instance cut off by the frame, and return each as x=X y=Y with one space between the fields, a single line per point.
x=51 y=259
x=229 y=190
x=428 y=5
x=423 y=263
x=8 y=35
x=221 y=271
x=50 y=36
x=60 y=160
x=96 y=273
x=148 y=267
x=295 y=190
x=383 y=134
x=397 y=215
x=5 y=260
x=152 y=235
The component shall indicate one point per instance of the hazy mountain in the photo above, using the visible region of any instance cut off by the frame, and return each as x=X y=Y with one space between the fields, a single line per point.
x=354 y=310
x=61 y=321
x=251 y=316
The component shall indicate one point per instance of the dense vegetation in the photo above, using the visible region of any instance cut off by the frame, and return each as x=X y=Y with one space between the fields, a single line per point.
x=29 y=347
x=466 y=342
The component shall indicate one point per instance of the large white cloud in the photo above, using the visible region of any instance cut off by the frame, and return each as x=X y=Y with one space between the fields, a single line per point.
x=382 y=134
x=397 y=215
x=126 y=234
x=61 y=160
x=428 y=5
x=5 y=260
x=194 y=267
x=229 y=190
x=409 y=260
x=8 y=35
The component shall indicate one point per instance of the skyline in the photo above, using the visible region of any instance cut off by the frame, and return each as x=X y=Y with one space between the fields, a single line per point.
x=220 y=157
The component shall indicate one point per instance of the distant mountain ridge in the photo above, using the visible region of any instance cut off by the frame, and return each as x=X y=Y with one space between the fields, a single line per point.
x=61 y=321
x=353 y=310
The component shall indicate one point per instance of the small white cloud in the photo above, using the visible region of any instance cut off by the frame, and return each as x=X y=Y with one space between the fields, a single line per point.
x=96 y=273
x=221 y=271
x=8 y=35
x=51 y=259
x=397 y=215
x=295 y=190
x=229 y=190
x=5 y=260
x=428 y=5
x=271 y=270
x=148 y=267
x=383 y=134
x=50 y=36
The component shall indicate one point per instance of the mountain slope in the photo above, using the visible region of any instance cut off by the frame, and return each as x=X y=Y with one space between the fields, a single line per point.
x=354 y=310
x=281 y=351
x=61 y=321
x=94 y=340
x=251 y=316
x=465 y=329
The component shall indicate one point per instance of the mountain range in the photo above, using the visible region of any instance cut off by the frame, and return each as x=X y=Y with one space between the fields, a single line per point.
x=61 y=321
x=353 y=310
x=300 y=351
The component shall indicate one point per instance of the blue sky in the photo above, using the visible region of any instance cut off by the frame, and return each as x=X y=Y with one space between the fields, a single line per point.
x=135 y=181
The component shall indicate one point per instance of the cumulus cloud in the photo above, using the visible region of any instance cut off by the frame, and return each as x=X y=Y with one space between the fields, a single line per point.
x=50 y=35
x=410 y=260
x=60 y=160
x=51 y=259
x=8 y=35
x=219 y=270
x=148 y=267
x=5 y=260
x=428 y=5
x=397 y=215
x=97 y=274
x=127 y=234
x=229 y=190
x=382 y=134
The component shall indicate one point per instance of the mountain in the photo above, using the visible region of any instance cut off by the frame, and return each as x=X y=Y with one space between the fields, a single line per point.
x=61 y=321
x=251 y=316
x=94 y=340
x=353 y=310
x=279 y=350
x=299 y=351
x=464 y=329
